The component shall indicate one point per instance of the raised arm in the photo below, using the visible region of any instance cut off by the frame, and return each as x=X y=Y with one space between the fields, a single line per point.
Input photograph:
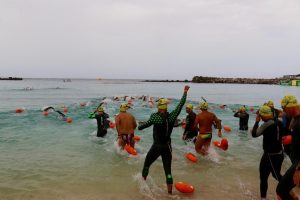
x=174 y=114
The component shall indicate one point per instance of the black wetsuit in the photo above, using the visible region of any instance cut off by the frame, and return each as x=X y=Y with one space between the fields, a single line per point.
x=163 y=124
x=272 y=158
x=286 y=184
x=244 y=117
x=189 y=131
x=102 y=123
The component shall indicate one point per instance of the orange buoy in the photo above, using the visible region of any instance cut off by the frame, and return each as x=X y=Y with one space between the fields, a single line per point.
x=136 y=138
x=184 y=187
x=112 y=125
x=216 y=143
x=224 y=144
x=66 y=109
x=130 y=149
x=69 y=120
x=45 y=113
x=183 y=125
x=251 y=109
x=19 y=110
x=130 y=101
x=191 y=157
x=286 y=140
x=227 y=128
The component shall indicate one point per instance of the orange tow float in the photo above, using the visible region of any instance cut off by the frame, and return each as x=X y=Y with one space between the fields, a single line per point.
x=191 y=157
x=130 y=149
x=136 y=138
x=227 y=128
x=286 y=140
x=222 y=145
x=19 y=110
x=112 y=125
x=184 y=187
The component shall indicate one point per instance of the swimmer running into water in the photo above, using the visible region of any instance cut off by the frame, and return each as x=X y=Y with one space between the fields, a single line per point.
x=163 y=123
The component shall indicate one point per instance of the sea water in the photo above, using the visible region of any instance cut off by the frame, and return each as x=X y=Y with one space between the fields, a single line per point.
x=47 y=158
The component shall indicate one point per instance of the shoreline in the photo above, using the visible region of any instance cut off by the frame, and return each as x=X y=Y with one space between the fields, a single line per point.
x=204 y=79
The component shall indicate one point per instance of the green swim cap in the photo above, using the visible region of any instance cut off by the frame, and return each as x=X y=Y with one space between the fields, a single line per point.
x=242 y=108
x=190 y=106
x=100 y=109
x=162 y=104
x=123 y=107
x=289 y=101
x=204 y=105
x=265 y=111
x=270 y=103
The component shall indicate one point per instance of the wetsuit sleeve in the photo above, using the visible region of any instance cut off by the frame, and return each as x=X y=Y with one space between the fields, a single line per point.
x=147 y=123
x=254 y=129
x=174 y=114
x=258 y=131
x=237 y=114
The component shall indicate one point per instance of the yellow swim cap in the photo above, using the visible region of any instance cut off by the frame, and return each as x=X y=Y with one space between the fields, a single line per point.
x=270 y=103
x=242 y=108
x=162 y=104
x=265 y=111
x=123 y=107
x=100 y=109
x=190 y=106
x=289 y=101
x=204 y=105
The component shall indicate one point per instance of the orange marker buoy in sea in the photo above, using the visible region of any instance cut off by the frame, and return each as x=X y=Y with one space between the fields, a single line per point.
x=184 y=187
x=191 y=157
x=45 y=113
x=136 y=138
x=227 y=128
x=69 y=120
x=66 y=109
x=216 y=143
x=286 y=140
x=112 y=125
x=130 y=149
x=19 y=110
x=222 y=145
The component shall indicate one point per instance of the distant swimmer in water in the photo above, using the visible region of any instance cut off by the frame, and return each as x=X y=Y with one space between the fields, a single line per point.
x=60 y=114
x=102 y=121
x=244 y=117
x=163 y=123
x=190 y=132
x=204 y=122
x=125 y=125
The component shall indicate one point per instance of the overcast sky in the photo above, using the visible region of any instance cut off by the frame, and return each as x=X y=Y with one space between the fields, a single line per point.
x=155 y=39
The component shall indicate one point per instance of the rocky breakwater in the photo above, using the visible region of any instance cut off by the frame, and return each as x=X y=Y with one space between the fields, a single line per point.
x=205 y=79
